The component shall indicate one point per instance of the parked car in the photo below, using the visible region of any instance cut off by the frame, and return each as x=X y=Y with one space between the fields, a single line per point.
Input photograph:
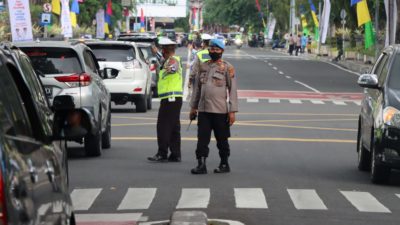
x=33 y=162
x=139 y=37
x=169 y=33
x=378 y=142
x=130 y=74
x=72 y=69
x=154 y=64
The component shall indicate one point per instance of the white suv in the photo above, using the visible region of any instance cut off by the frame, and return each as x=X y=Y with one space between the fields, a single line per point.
x=130 y=79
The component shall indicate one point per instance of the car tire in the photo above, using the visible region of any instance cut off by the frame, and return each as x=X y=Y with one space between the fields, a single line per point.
x=149 y=101
x=380 y=174
x=93 y=142
x=141 y=104
x=106 y=136
x=364 y=156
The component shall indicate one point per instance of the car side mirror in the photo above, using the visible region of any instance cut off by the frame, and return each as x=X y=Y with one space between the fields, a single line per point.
x=110 y=73
x=368 y=81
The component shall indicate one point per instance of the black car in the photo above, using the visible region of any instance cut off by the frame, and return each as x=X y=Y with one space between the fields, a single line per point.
x=378 y=142
x=33 y=160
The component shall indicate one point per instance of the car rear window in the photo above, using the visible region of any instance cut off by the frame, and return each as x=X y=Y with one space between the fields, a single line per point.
x=54 y=60
x=113 y=53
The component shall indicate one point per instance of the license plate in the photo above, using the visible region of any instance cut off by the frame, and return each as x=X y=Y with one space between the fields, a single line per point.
x=49 y=92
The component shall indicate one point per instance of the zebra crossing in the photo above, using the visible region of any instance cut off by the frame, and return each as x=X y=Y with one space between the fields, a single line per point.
x=244 y=198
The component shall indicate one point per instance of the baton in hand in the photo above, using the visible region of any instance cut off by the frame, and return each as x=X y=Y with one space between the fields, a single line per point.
x=192 y=117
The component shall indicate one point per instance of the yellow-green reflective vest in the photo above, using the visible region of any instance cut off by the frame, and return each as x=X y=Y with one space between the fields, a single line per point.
x=203 y=55
x=170 y=85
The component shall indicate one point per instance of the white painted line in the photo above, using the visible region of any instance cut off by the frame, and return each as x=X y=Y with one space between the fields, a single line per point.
x=288 y=77
x=339 y=102
x=229 y=222
x=266 y=61
x=280 y=72
x=194 y=198
x=275 y=68
x=82 y=199
x=269 y=64
x=364 y=202
x=309 y=87
x=357 y=102
x=252 y=100
x=318 y=102
x=114 y=217
x=339 y=67
x=250 y=198
x=272 y=100
x=137 y=198
x=295 y=101
x=398 y=195
x=306 y=199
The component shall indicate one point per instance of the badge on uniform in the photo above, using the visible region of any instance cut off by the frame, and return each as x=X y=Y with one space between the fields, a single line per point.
x=171 y=99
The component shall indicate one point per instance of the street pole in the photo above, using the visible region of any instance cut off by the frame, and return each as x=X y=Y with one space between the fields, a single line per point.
x=319 y=20
x=391 y=22
x=292 y=16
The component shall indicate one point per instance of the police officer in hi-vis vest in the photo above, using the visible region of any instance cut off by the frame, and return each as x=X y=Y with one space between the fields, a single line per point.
x=214 y=85
x=170 y=92
x=201 y=57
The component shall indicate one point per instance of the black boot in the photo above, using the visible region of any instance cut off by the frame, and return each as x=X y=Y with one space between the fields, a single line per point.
x=201 y=166
x=223 y=166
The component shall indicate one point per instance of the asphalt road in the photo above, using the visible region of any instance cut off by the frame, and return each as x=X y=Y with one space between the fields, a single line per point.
x=293 y=156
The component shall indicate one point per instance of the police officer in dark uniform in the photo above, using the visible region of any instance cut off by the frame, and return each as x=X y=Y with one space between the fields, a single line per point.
x=215 y=83
x=170 y=91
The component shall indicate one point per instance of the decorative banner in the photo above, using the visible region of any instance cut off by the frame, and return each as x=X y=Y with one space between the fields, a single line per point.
x=55 y=7
x=271 y=28
x=325 y=20
x=162 y=8
x=20 y=20
x=100 y=23
x=66 y=26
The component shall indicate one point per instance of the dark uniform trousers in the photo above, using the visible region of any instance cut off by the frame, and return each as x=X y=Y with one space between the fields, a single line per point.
x=169 y=127
x=218 y=123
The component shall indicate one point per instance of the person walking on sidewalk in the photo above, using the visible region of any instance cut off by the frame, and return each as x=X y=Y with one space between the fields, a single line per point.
x=215 y=84
x=170 y=92
x=309 y=42
x=303 y=43
x=291 y=44
x=298 y=44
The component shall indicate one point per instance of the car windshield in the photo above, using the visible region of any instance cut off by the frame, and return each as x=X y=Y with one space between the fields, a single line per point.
x=54 y=60
x=113 y=53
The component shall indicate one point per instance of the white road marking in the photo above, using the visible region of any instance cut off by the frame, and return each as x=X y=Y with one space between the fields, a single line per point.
x=364 y=202
x=275 y=68
x=272 y=100
x=295 y=101
x=398 y=195
x=307 y=86
x=280 y=72
x=339 y=102
x=252 y=100
x=339 y=67
x=82 y=199
x=319 y=102
x=194 y=198
x=137 y=198
x=357 y=102
x=269 y=64
x=114 y=217
x=250 y=198
x=306 y=199
x=266 y=61
x=288 y=77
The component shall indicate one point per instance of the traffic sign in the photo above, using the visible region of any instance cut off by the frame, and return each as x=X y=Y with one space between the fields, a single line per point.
x=46 y=7
x=45 y=19
x=343 y=14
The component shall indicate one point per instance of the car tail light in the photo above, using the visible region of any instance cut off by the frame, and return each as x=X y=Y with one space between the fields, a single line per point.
x=3 y=209
x=76 y=80
x=137 y=90
x=153 y=67
x=134 y=64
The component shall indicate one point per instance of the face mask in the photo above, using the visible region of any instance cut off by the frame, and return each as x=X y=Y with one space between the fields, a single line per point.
x=215 y=56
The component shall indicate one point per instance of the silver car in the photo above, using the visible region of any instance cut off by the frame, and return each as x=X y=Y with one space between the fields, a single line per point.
x=72 y=69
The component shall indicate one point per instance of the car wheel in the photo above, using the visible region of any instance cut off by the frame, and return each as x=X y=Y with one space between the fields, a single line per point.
x=380 y=174
x=364 y=156
x=149 y=101
x=141 y=104
x=106 y=136
x=93 y=142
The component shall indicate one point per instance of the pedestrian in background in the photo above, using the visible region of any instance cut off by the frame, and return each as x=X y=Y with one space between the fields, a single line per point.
x=169 y=87
x=303 y=43
x=298 y=44
x=309 y=42
x=291 y=44
x=215 y=84
x=199 y=57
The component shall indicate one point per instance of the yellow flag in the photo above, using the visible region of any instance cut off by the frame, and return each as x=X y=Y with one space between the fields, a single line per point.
x=56 y=8
x=106 y=30
x=363 y=16
x=73 y=19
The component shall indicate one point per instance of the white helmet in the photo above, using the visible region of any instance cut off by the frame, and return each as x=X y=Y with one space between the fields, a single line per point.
x=206 y=37
x=166 y=41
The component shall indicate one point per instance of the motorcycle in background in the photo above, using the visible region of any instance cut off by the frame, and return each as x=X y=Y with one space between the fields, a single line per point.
x=238 y=43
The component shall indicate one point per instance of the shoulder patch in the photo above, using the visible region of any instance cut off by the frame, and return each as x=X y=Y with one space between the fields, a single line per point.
x=171 y=61
x=231 y=71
